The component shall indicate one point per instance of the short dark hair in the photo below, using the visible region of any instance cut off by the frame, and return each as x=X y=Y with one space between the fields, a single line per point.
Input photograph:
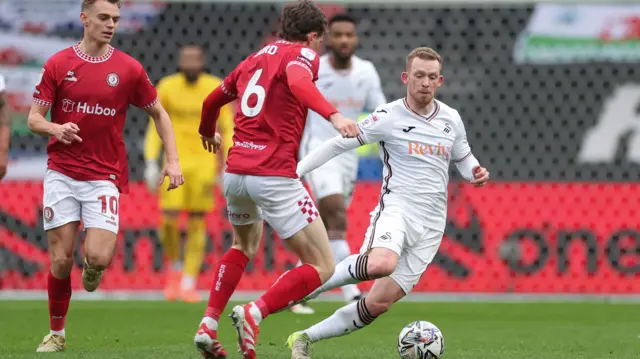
x=300 y=18
x=342 y=17
x=87 y=3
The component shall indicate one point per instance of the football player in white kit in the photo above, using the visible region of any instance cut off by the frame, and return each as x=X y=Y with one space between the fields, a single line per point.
x=418 y=137
x=352 y=85
x=5 y=129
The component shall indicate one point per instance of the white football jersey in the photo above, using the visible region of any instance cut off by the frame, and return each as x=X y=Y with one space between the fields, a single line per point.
x=351 y=92
x=3 y=86
x=416 y=151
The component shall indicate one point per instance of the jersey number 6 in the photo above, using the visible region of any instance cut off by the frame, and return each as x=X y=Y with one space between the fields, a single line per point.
x=253 y=88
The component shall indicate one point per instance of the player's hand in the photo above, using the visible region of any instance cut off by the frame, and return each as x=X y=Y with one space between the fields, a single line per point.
x=480 y=176
x=173 y=171
x=211 y=144
x=151 y=175
x=347 y=127
x=67 y=133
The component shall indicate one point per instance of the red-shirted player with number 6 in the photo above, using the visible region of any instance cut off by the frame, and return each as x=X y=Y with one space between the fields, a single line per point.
x=88 y=89
x=275 y=88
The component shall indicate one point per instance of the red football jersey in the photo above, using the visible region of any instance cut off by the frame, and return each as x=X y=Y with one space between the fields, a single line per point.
x=269 y=120
x=94 y=93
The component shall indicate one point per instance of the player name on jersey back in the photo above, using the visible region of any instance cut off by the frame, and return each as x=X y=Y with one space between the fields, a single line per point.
x=94 y=93
x=269 y=119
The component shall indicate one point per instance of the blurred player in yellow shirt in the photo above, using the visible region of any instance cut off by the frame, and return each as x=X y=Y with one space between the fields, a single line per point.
x=182 y=95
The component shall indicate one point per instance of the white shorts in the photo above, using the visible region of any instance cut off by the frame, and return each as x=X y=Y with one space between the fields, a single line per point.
x=67 y=200
x=337 y=176
x=283 y=202
x=416 y=245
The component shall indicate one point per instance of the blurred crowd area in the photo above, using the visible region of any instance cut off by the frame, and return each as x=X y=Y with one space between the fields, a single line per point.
x=549 y=94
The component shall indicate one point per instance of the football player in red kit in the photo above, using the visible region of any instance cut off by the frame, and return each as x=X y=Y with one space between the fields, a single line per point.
x=274 y=88
x=88 y=88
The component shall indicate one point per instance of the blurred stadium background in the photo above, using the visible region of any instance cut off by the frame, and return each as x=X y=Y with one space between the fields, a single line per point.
x=550 y=95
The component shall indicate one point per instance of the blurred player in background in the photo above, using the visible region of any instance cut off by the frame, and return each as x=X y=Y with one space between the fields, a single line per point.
x=182 y=94
x=88 y=88
x=275 y=88
x=353 y=86
x=418 y=136
x=5 y=129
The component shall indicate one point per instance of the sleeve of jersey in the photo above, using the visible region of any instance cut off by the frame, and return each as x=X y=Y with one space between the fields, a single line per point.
x=3 y=86
x=328 y=150
x=300 y=79
x=45 y=92
x=461 y=149
x=211 y=110
x=144 y=93
x=375 y=127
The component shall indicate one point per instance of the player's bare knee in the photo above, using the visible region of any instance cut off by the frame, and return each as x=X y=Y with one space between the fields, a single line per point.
x=248 y=250
x=378 y=306
x=99 y=261
x=336 y=222
x=325 y=271
x=381 y=263
x=61 y=265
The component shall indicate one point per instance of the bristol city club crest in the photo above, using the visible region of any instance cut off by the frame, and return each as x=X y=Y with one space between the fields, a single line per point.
x=68 y=105
x=113 y=79
x=48 y=214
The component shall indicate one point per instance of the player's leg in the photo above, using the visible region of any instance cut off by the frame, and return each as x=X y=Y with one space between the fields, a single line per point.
x=199 y=202
x=287 y=207
x=247 y=223
x=421 y=246
x=172 y=203
x=100 y=202
x=193 y=255
x=332 y=185
x=61 y=221
x=352 y=317
x=383 y=244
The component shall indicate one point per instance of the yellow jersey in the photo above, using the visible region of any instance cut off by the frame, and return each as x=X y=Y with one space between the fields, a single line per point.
x=183 y=102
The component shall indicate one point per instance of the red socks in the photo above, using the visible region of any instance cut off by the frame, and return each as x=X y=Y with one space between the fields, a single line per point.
x=290 y=288
x=228 y=271
x=59 y=291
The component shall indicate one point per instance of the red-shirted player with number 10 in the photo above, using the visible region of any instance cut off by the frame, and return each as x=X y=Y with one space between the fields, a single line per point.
x=275 y=88
x=88 y=88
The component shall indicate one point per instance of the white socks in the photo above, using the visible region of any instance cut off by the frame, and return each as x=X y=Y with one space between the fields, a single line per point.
x=57 y=332
x=351 y=270
x=210 y=323
x=341 y=250
x=345 y=320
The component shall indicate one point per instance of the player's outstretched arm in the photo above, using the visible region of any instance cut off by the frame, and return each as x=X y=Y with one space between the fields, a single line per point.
x=328 y=150
x=465 y=161
x=66 y=133
x=470 y=169
x=165 y=131
x=211 y=107
x=5 y=133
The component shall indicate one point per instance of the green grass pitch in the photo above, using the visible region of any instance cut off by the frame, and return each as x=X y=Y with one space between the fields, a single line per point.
x=135 y=329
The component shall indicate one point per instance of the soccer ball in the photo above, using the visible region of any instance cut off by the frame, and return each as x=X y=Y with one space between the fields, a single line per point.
x=420 y=340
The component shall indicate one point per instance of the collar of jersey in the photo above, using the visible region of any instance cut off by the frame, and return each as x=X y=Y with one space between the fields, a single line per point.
x=434 y=113
x=92 y=59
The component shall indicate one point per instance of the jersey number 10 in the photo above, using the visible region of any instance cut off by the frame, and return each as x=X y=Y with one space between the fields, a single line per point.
x=253 y=88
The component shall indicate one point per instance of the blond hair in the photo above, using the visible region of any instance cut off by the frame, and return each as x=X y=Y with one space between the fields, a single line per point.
x=87 y=3
x=425 y=53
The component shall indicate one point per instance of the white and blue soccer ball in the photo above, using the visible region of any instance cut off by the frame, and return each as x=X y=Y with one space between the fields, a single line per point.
x=421 y=340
